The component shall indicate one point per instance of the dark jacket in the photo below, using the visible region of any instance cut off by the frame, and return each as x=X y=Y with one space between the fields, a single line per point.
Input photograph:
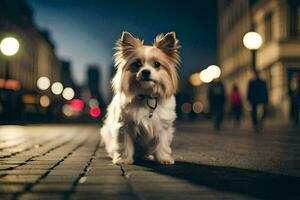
x=216 y=96
x=257 y=92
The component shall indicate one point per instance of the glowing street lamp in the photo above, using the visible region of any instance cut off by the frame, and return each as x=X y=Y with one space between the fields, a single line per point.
x=205 y=77
x=44 y=101
x=43 y=83
x=68 y=93
x=214 y=71
x=195 y=79
x=57 y=88
x=252 y=41
x=9 y=46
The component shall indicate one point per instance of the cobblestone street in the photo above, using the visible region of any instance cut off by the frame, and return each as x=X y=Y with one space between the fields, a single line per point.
x=67 y=162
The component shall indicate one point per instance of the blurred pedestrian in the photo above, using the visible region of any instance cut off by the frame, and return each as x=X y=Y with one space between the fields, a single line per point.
x=258 y=98
x=295 y=97
x=216 y=96
x=236 y=104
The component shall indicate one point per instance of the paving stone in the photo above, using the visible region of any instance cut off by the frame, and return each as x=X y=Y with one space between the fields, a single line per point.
x=57 y=187
x=42 y=196
x=6 y=196
x=11 y=188
x=208 y=166
x=85 y=196
x=104 y=189
x=59 y=179
x=24 y=172
x=105 y=180
x=19 y=179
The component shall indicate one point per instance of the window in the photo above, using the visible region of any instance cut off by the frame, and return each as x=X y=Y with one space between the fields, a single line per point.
x=268 y=27
x=294 y=19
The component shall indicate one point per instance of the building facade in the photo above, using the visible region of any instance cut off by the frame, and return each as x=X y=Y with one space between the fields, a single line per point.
x=277 y=60
x=36 y=56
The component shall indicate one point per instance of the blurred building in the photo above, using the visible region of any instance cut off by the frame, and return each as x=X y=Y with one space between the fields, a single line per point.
x=91 y=92
x=35 y=58
x=278 y=22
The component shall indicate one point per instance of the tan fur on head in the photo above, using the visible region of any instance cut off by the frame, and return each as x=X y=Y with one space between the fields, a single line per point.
x=164 y=78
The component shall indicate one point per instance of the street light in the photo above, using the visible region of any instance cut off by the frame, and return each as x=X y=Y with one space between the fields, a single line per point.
x=43 y=83
x=57 y=88
x=9 y=46
x=68 y=93
x=195 y=79
x=252 y=41
x=214 y=71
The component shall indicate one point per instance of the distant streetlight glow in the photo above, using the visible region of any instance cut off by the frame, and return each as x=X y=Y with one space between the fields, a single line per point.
x=9 y=46
x=186 y=107
x=68 y=93
x=210 y=73
x=57 y=88
x=195 y=79
x=44 y=101
x=205 y=77
x=95 y=112
x=67 y=110
x=197 y=107
x=77 y=104
x=214 y=71
x=43 y=83
x=252 y=40
x=93 y=103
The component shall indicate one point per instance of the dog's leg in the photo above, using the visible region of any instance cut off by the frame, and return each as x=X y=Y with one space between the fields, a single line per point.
x=124 y=148
x=163 y=150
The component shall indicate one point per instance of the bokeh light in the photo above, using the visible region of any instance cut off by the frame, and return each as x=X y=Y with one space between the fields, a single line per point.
x=252 y=40
x=205 y=77
x=68 y=93
x=197 y=107
x=93 y=103
x=43 y=83
x=95 y=112
x=214 y=71
x=195 y=79
x=44 y=101
x=186 y=108
x=9 y=46
x=57 y=88
x=67 y=110
x=77 y=104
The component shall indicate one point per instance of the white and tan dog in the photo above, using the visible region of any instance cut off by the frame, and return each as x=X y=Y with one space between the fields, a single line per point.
x=140 y=118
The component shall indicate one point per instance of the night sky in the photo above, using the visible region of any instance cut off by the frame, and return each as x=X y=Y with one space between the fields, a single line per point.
x=84 y=31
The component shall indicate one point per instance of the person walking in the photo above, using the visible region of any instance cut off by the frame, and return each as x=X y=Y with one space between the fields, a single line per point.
x=294 y=93
x=236 y=104
x=258 y=98
x=216 y=96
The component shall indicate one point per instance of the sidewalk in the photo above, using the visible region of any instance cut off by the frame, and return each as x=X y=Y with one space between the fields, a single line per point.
x=66 y=162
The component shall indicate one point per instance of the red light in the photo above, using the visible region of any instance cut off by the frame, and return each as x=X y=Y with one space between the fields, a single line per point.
x=77 y=104
x=95 y=112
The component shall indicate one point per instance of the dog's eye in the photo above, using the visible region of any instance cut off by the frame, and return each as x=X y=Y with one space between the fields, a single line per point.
x=137 y=63
x=157 y=64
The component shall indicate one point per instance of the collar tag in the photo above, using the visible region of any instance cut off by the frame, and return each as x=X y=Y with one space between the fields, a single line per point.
x=152 y=104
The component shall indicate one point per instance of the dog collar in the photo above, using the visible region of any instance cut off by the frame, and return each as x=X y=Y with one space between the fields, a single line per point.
x=151 y=103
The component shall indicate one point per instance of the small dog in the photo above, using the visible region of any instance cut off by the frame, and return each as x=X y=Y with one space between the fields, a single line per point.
x=140 y=118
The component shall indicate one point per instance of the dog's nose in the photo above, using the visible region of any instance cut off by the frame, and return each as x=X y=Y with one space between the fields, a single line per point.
x=146 y=74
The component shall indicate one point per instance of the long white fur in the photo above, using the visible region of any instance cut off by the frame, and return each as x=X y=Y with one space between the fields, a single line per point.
x=128 y=124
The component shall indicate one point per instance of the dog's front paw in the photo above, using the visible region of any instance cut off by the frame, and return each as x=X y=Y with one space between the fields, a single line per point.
x=120 y=161
x=165 y=160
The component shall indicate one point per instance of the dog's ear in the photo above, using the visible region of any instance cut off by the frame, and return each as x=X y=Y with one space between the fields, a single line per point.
x=167 y=43
x=127 y=44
